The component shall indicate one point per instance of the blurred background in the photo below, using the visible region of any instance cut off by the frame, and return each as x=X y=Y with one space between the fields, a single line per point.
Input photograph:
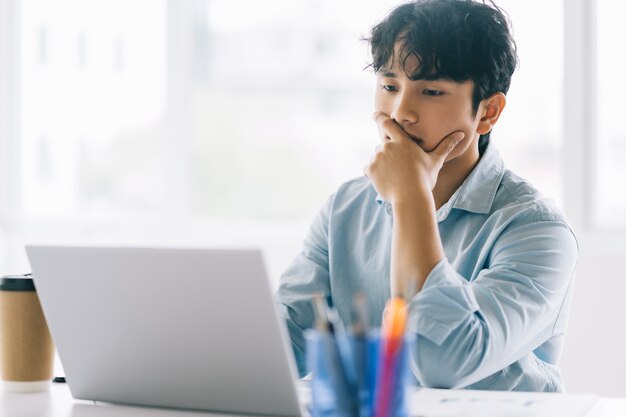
x=221 y=123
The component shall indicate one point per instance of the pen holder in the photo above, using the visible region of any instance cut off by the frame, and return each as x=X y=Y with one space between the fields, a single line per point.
x=351 y=378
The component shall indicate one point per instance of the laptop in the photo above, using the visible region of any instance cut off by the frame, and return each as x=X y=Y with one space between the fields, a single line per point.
x=178 y=328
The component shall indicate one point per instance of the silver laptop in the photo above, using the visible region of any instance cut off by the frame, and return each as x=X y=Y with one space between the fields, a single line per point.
x=181 y=328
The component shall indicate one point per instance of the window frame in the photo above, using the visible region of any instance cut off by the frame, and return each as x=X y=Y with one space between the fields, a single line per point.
x=9 y=126
x=579 y=118
x=579 y=152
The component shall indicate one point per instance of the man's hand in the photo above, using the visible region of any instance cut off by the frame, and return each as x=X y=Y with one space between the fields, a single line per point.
x=400 y=167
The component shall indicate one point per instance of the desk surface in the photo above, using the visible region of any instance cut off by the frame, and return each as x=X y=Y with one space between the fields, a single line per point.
x=59 y=403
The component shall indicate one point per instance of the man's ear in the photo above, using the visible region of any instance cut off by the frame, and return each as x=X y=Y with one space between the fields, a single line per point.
x=491 y=109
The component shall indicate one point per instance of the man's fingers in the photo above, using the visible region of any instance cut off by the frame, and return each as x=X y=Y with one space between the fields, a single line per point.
x=376 y=115
x=448 y=144
x=389 y=127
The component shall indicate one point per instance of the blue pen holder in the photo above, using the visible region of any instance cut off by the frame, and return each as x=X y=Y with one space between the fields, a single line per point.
x=350 y=377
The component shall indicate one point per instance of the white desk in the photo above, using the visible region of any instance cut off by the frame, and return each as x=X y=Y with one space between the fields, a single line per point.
x=59 y=403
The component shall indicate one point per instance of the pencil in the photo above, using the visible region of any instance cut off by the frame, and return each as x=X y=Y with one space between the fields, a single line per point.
x=394 y=325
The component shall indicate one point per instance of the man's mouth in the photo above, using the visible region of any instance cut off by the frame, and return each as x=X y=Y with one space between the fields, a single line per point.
x=415 y=139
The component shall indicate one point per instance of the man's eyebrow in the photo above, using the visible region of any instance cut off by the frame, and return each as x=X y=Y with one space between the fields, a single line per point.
x=388 y=74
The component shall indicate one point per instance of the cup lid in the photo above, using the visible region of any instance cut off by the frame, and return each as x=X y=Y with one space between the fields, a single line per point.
x=17 y=283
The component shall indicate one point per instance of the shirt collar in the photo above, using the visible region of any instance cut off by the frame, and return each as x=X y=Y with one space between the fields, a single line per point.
x=478 y=191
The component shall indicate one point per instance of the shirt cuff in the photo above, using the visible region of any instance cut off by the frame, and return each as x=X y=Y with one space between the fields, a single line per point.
x=444 y=303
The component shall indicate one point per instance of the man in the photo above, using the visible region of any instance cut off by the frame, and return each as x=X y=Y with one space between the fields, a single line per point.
x=484 y=261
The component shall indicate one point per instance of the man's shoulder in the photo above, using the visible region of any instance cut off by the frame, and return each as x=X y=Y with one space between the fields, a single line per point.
x=353 y=199
x=519 y=194
x=355 y=188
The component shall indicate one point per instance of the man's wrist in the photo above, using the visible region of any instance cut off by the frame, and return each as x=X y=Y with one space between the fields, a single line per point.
x=417 y=198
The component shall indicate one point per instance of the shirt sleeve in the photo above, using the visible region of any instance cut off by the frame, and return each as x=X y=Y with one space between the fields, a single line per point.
x=466 y=331
x=308 y=274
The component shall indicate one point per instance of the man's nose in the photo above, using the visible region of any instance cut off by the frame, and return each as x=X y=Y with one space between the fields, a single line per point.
x=404 y=109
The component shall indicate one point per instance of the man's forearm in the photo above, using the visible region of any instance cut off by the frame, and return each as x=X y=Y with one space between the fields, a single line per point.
x=416 y=246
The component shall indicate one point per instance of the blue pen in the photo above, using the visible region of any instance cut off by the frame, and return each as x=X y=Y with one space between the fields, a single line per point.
x=337 y=376
x=359 y=348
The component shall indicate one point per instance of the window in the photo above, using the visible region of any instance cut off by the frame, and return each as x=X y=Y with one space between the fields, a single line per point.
x=93 y=96
x=529 y=134
x=610 y=151
x=195 y=122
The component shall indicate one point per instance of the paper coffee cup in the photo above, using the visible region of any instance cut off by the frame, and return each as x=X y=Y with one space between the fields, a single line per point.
x=26 y=348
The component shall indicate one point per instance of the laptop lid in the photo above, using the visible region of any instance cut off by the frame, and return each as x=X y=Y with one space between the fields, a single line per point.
x=182 y=328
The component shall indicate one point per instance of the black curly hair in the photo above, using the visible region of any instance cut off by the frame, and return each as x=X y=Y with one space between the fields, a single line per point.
x=455 y=39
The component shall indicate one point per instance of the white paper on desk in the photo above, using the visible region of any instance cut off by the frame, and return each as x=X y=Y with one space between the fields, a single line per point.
x=466 y=403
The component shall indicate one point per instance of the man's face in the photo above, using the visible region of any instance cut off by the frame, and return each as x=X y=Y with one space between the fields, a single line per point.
x=428 y=111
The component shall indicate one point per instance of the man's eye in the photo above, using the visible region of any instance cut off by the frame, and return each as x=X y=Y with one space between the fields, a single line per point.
x=388 y=87
x=430 y=92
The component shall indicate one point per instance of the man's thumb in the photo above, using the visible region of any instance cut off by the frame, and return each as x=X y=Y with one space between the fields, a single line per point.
x=448 y=144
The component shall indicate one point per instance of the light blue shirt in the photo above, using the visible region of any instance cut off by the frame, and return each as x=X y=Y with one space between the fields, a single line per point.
x=491 y=315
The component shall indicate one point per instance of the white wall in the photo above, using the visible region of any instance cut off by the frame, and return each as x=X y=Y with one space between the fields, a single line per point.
x=594 y=356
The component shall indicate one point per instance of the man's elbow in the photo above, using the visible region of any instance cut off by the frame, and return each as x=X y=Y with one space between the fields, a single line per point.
x=436 y=374
x=451 y=366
